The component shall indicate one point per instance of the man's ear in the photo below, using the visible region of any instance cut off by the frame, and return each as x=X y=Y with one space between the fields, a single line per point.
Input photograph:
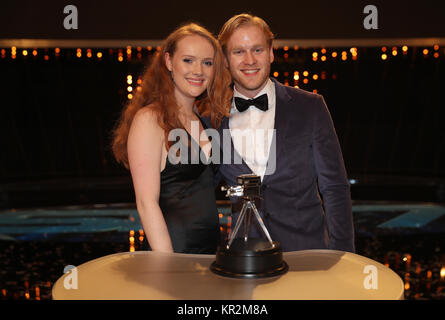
x=168 y=61
x=226 y=62
x=271 y=54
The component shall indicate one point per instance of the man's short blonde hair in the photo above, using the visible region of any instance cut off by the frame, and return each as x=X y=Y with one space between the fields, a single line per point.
x=241 y=20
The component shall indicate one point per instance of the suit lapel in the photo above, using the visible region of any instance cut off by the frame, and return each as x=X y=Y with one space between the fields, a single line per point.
x=233 y=152
x=281 y=125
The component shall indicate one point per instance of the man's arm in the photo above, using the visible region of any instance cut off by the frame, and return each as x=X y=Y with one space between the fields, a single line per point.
x=332 y=180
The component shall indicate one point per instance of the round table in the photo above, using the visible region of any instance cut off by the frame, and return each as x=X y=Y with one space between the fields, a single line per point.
x=313 y=274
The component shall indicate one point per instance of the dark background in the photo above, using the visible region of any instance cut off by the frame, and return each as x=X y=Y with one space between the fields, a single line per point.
x=289 y=19
x=57 y=115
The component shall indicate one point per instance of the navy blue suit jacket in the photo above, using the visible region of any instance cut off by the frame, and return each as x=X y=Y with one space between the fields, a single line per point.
x=306 y=202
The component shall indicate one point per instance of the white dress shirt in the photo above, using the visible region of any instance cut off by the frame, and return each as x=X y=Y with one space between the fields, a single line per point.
x=252 y=130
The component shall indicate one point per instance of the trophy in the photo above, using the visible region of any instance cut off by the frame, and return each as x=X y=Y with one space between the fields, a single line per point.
x=245 y=257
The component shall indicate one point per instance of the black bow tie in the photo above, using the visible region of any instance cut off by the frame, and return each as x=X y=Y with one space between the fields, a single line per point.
x=259 y=102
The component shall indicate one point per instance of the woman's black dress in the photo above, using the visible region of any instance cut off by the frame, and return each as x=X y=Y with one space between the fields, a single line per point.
x=187 y=200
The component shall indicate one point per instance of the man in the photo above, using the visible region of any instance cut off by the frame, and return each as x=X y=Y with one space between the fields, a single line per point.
x=305 y=194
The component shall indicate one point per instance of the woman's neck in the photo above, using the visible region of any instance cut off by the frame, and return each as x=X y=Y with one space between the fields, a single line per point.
x=186 y=113
x=185 y=104
x=186 y=110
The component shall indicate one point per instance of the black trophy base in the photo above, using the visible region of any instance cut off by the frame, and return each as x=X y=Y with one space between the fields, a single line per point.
x=254 y=258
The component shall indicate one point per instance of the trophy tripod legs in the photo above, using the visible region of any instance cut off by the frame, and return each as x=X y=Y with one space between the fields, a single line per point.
x=247 y=221
x=246 y=216
x=237 y=225
x=253 y=207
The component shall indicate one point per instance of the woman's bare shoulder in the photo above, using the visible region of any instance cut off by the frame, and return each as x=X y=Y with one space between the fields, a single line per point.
x=147 y=113
x=146 y=122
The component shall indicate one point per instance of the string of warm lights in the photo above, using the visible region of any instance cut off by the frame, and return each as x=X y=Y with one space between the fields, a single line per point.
x=130 y=86
x=283 y=54
x=132 y=241
x=88 y=53
x=323 y=55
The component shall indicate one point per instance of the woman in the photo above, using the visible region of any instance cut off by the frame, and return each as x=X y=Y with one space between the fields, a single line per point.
x=176 y=201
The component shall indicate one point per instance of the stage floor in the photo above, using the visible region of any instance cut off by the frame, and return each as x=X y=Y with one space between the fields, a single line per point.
x=36 y=244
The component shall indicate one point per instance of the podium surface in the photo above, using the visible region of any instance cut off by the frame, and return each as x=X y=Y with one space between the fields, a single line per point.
x=148 y=275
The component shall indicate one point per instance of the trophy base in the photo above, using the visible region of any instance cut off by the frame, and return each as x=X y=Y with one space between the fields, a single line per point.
x=254 y=258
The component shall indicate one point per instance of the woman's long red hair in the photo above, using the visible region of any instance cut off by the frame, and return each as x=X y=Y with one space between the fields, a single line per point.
x=157 y=93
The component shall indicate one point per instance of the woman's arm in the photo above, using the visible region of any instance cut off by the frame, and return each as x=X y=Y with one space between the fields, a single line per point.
x=145 y=156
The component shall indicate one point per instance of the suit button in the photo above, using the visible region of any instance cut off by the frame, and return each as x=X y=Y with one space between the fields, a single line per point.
x=264 y=186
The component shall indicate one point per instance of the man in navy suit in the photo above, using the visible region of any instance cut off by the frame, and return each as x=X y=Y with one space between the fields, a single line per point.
x=286 y=136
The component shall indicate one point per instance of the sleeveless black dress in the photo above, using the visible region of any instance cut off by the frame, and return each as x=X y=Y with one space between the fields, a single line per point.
x=187 y=200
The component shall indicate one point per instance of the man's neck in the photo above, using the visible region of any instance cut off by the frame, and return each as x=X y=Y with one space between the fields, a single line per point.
x=251 y=93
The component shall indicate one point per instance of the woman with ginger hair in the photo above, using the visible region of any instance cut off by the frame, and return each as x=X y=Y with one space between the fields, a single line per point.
x=186 y=80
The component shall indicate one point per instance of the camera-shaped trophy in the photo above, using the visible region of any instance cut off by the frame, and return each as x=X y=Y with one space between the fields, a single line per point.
x=246 y=257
